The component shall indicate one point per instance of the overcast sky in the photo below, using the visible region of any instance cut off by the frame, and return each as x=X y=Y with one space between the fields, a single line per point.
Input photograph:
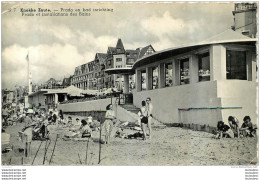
x=57 y=45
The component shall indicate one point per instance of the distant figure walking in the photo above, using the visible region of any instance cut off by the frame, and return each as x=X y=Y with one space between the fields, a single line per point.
x=108 y=124
x=149 y=107
x=144 y=118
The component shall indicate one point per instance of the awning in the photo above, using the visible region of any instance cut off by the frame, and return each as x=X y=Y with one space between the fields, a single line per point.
x=120 y=71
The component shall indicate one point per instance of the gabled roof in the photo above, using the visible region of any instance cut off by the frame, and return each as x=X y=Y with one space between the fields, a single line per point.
x=131 y=54
x=66 y=81
x=51 y=80
x=120 y=47
x=112 y=50
x=142 y=51
x=101 y=57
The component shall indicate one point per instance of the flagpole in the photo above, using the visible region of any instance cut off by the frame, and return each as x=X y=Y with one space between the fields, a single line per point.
x=29 y=75
x=28 y=70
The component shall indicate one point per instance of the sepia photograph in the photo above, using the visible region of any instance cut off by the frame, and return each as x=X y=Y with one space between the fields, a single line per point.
x=129 y=84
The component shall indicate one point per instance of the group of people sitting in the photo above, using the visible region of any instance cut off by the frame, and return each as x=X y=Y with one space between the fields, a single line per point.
x=79 y=129
x=233 y=130
x=37 y=127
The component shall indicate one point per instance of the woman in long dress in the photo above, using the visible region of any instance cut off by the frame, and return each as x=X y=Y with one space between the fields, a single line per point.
x=108 y=124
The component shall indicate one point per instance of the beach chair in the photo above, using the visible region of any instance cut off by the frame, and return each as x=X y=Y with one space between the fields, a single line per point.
x=6 y=146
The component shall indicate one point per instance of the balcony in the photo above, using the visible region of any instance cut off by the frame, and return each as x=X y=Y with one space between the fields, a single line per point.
x=245 y=6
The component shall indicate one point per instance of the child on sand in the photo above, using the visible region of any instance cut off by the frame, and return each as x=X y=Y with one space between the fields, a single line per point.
x=234 y=125
x=247 y=129
x=223 y=131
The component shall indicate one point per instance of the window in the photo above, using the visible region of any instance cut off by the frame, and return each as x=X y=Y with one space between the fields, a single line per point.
x=143 y=80
x=245 y=33
x=155 y=77
x=168 y=75
x=131 y=61
x=149 y=51
x=204 y=67
x=236 y=65
x=184 y=71
x=118 y=59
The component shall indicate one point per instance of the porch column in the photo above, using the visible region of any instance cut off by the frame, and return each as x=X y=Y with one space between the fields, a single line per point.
x=126 y=84
x=161 y=76
x=66 y=97
x=176 y=72
x=149 y=78
x=194 y=69
x=254 y=65
x=249 y=65
x=138 y=80
x=55 y=98
x=217 y=62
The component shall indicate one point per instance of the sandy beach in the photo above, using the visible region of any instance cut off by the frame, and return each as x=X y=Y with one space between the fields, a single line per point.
x=168 y=146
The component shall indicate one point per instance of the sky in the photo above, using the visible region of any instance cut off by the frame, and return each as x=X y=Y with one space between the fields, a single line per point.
x=56 y=45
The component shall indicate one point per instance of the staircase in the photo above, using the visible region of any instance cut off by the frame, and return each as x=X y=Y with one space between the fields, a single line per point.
x=130 y=107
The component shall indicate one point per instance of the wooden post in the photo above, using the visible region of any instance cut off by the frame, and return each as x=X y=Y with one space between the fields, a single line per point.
x=45 y=151
x=36 y=153
x=79 y=159
x=86 y=160
x=53 y=149
x=99 y=156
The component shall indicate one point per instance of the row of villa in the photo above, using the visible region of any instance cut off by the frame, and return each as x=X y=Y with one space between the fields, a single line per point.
x=92 y=74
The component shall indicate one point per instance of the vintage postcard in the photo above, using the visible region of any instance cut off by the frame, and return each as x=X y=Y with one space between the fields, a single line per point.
x=129 y=84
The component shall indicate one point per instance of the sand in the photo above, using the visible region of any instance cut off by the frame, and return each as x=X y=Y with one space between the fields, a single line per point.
x=168 y=146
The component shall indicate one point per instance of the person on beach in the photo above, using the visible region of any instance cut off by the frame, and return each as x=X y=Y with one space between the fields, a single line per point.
x=5 y=115
x=234 y=125
x=149 y=107
x=77 y=123
x=108 y=124
x=69 y=124
x=27 y=134
x=223 y=130
x=61 y=116
x=54 y=118
x=44 y=128
x=50 y=117
x=85 y=130
x=144 y=118
x=247 y=128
